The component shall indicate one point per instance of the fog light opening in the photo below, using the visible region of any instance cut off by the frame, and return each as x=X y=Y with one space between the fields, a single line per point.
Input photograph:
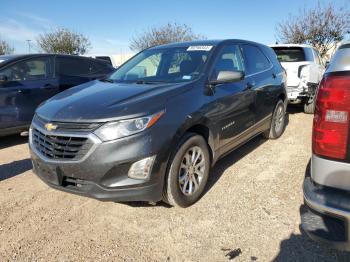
x=142 y=168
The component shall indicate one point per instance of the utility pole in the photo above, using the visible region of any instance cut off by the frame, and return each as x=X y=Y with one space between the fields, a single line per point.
x=28 y=41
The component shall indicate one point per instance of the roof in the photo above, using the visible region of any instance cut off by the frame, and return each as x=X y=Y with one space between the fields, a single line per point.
x=291 y=45
x=11 y=58
x=202 y=42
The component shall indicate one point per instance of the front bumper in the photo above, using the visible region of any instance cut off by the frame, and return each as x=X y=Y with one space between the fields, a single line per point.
x=103 y=172
x=327 y=216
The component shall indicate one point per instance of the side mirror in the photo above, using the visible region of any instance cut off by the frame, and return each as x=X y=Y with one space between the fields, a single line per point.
x=326 y=64
x=228 y=77
x=3 y=79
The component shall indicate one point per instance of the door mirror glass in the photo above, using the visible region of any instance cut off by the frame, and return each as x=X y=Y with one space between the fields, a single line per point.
x=228 y=77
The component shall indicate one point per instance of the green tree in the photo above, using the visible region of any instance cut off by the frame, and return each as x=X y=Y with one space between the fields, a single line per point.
x=322 y=26
x=63 y=41
x=169 y=33
x=5 y=48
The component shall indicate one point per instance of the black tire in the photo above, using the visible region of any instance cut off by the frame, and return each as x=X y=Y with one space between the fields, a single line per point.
x=278 y=122
x=309 y=108
x=174 y=190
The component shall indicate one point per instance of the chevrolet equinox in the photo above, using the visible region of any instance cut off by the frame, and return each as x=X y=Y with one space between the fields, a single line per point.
x=152 y=130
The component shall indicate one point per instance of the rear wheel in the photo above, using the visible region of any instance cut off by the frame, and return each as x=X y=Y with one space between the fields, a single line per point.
x=309 y=107
x=188 y=172
x=278 y=122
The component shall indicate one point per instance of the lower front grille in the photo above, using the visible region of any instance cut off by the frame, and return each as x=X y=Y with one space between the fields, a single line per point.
x=60 y=147
x=75 y=183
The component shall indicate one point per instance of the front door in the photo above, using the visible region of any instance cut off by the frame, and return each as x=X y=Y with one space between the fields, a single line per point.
x=28 y=83
x=234 y=109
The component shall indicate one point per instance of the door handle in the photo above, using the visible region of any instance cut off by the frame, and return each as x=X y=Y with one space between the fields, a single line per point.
x=48 y=86
x=23 y=91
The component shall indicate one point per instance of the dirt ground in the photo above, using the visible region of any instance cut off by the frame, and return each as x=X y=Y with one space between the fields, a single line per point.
x=250 y=212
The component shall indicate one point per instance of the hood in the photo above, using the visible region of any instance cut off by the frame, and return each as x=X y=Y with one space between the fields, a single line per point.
x=98 y=101
x=292 y=69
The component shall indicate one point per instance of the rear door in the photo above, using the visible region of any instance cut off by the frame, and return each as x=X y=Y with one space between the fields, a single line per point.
x=29 y=83
x=234 y=102
x=261 y=80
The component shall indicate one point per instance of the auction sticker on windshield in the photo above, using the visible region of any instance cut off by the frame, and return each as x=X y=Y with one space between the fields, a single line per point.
x=200 y=48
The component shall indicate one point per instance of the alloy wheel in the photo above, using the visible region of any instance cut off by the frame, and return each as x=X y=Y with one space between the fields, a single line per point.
x=191 y=170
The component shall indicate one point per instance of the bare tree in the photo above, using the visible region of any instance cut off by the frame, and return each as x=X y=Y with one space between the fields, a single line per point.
x=163 y=35
x=5 y=48
x=64 y=41
x=323 y=27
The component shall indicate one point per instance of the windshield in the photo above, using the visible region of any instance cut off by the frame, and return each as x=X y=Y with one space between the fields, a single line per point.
x=175 y=64
x=290 y=54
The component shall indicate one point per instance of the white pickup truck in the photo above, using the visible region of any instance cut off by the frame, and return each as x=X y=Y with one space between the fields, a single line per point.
x=305 y=69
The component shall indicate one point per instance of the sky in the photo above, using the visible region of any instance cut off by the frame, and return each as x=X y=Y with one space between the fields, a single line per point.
x=110 y=25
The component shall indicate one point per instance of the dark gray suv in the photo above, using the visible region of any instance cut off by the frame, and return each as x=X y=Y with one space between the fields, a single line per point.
x=155 y=127
x=327 y=191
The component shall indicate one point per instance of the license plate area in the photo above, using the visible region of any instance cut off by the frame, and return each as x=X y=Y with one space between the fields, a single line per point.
x=49 y=173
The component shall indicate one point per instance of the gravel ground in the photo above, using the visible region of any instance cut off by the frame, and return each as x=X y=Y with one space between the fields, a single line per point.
x=250 y=212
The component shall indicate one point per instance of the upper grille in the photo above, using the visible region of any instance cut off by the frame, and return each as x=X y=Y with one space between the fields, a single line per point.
x=68 y=126
x=60 y=147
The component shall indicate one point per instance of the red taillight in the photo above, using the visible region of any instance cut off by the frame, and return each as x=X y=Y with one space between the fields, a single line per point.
x=331 y=120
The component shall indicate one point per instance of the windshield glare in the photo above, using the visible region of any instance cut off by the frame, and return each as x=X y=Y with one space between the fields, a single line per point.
x=164 y=65
x=290 y=54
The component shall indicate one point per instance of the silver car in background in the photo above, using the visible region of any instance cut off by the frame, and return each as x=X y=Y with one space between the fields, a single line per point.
x=327 y=188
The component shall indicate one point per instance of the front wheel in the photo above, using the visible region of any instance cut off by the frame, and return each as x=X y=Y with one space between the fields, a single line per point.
x=278 y=122
x=188 y=172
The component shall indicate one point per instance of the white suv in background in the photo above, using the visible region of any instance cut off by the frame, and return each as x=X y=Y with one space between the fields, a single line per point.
x=304 y=68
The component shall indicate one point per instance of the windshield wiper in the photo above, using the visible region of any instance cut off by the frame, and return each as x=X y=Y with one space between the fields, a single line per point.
x=107 y=80
x=144 y=82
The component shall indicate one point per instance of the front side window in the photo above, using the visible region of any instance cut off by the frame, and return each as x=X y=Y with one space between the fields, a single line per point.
x=229 y=59
x=254 y=59
x=31 y=69
x=172 y=64
x=105 y=58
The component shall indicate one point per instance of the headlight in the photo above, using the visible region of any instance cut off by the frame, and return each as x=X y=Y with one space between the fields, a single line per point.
x=123 y=128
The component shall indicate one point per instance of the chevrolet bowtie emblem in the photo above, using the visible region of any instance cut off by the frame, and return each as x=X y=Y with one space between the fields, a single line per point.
x=50 y=127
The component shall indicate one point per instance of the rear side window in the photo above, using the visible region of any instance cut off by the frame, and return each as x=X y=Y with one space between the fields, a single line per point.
x=96 y=67
x=105 y=58
x=290 y=54
x=67 y=66
x=254 y=59
x=31 y=69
